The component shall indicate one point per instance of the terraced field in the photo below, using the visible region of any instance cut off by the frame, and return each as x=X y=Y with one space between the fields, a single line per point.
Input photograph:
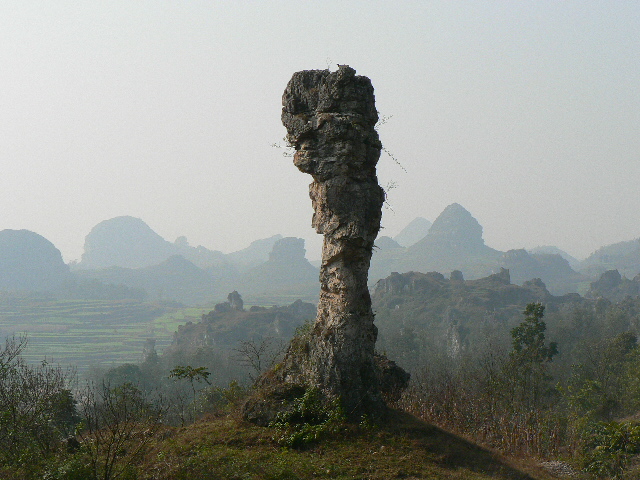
x=91 y=332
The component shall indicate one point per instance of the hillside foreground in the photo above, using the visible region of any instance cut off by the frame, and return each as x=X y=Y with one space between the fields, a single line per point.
x=404 y=447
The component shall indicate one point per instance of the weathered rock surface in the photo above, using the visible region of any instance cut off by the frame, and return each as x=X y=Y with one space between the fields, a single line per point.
x=330 y=119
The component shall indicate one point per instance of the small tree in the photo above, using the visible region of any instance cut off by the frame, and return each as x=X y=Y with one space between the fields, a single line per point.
x=257 y=356
x=527 y=367
x=194 y=376
x=604 y=385
x=118 y=422
x=37 y=410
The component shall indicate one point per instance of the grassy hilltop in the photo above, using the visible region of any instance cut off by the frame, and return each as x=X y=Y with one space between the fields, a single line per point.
x=403 y=448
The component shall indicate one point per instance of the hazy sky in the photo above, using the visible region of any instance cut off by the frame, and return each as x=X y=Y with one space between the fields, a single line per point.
x=526 y=113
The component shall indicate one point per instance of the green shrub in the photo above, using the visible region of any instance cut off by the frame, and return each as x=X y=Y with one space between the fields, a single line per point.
x=37 y=408
x=217 y=400
x=610 y=446
x=75 y=467
x=311 y=417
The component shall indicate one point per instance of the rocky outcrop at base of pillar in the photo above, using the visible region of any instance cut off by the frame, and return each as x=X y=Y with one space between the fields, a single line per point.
x=330 y=119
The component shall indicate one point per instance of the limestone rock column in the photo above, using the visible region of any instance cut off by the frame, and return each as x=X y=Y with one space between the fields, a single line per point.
x=330 y=119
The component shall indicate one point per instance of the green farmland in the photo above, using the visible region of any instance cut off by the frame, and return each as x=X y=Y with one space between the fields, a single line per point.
x=88 y=333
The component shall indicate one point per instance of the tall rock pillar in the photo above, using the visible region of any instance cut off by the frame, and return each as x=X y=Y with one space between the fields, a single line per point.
x=330 y=119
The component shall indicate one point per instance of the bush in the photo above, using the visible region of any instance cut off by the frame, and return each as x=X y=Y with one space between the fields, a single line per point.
x=218 y=400
x=311 y=417
x=118 y=424
x=610 y=446
x=37 y=409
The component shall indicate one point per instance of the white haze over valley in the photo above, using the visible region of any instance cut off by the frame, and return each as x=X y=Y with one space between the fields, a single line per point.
x=525 y=113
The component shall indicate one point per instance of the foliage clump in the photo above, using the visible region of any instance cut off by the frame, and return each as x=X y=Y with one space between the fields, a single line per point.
x=118 y=424
x=610 y=447
x=310 y=418
x=37 y=408
x=220 y=400
x=526 y=371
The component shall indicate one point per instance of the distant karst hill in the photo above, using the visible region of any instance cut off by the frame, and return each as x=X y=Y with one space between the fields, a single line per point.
x=287 y=272
x=255 y=254
x=552 y=250
x=415 y=231
x=126 y=251
x=553 y=269
x=30 y=262
x=125 y=242
x=275 y=270
x=621 y=256
x=128 y=242
x=454 y=242
x=174 y=279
